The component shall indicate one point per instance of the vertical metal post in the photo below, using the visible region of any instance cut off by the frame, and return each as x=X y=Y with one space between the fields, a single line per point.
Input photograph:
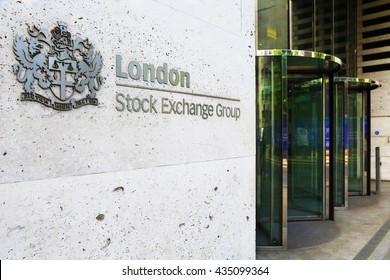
x=367 y=109
x=329 y=162
x=346 y=145
x=325 y=159
x=285 y=152
x=290 y=25
x=314 y=27
x=378 y=170
x=365 y=159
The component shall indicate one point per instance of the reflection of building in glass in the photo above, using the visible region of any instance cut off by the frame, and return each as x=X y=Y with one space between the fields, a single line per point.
x=325 y=122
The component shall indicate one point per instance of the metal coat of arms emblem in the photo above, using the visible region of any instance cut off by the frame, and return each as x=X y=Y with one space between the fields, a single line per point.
x=68 y=68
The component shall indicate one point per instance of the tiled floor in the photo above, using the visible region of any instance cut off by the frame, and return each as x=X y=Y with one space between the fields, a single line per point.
x=350 y=236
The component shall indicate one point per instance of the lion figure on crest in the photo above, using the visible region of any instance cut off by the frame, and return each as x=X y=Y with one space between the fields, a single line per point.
x=89 y=69
x=34 y=63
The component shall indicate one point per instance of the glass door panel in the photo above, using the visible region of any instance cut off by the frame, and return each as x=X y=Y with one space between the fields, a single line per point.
x=306 y=149
x=366 y=144
x=338 y=145
x=269 y=152
x=355 y=142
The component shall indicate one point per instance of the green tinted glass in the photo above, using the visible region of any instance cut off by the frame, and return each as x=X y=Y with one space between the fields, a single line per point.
x=305 y=165
x=269 y=152
x=355 y=142
x=338 y=145
x=272 y=24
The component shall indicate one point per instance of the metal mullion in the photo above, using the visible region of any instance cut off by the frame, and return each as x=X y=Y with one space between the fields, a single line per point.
x=345 y=149
x=325 y=175
x=368 y=110
x=364 y=144
x=314 y=39
x=284 y=153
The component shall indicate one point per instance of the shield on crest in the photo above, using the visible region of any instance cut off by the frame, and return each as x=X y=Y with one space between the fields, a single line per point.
x=63 y=72
x=52 y=59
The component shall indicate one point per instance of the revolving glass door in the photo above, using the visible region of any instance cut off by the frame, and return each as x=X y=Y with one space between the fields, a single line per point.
x=292 y=159
x=352 y=139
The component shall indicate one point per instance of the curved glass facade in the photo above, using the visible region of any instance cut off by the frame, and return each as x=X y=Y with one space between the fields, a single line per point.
x=313 y=128
x=352 y=138
x=293 y=89
x=326 y=26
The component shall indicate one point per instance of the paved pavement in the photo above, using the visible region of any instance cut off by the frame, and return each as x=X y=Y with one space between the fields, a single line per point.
x=361 y=232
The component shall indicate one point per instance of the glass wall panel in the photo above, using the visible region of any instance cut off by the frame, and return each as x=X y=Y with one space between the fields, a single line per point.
x=326 y=26
x=355 y=142
x=366 y=143
x=323 y=26
x=306 y=149
x=272 y=24
x=302 y=25
x=343 y=38
x=269 y=152
x=338 y=145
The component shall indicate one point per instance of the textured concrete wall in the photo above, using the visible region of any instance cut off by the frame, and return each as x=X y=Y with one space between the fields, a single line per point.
x=380 y=112
x=95 y=182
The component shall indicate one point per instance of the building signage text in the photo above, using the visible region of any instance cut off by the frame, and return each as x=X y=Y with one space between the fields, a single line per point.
x=165 y=105
x=175 y=106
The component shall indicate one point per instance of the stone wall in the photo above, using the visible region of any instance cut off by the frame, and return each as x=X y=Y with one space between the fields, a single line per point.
x=380 y=126
x=121 y=177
